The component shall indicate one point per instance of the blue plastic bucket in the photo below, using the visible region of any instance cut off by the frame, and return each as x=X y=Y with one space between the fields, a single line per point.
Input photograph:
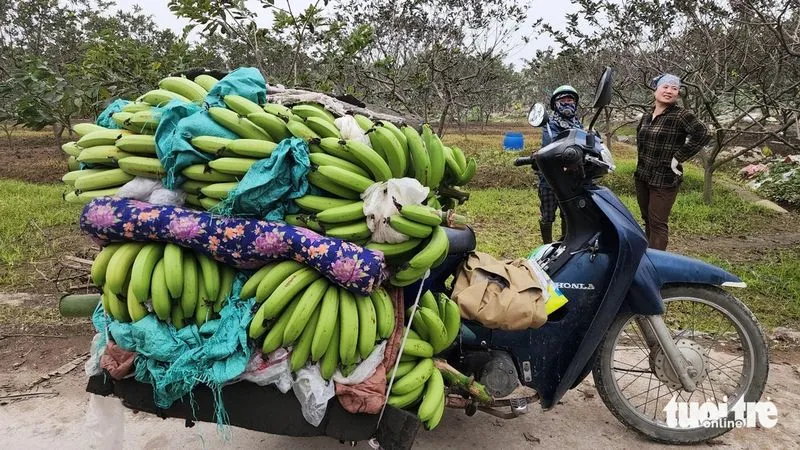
x=513 y=141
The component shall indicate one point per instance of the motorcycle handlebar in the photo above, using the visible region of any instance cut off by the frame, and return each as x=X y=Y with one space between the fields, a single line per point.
x=524 y=161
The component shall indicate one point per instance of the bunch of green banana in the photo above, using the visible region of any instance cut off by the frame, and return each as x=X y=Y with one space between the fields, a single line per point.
x=177 y=285
x=320 y=321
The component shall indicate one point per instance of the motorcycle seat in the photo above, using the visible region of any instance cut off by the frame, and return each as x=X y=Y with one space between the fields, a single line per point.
x=461 y=241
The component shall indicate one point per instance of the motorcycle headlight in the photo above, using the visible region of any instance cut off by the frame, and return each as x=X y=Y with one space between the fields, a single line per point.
x=605 y=155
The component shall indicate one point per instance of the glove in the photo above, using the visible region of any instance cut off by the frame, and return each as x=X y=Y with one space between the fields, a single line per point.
x=676 y=167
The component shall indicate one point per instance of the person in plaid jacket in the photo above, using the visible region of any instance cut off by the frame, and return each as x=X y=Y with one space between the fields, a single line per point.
x=665 y=138
x=564 y=103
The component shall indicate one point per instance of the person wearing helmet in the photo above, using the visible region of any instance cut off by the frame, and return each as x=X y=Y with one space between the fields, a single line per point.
x=564 y=103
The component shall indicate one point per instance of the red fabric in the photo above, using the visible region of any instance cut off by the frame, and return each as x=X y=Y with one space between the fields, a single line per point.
x=368 y=396
x=116 y=361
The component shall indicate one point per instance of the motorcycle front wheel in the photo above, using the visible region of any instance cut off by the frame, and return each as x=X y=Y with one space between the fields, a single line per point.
x=715 y=332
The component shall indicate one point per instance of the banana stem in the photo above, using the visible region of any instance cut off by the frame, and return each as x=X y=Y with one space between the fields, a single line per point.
x=456 y=378
x=460 y=196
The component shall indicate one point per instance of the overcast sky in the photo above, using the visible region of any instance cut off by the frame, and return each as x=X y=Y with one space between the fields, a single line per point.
x=551 y=11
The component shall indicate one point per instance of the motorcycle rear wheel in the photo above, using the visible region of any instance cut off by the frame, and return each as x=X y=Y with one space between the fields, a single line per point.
x=686 y=305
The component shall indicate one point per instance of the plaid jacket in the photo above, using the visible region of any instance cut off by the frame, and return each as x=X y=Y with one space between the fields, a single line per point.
x=674 y=133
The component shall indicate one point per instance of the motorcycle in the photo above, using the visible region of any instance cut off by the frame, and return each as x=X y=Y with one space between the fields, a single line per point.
x=651 y=326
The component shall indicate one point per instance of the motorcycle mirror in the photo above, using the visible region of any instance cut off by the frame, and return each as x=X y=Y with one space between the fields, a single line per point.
x=537 y=116
x=602 y=96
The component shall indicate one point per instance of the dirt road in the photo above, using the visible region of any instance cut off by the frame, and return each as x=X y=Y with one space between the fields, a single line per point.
x=580 y=422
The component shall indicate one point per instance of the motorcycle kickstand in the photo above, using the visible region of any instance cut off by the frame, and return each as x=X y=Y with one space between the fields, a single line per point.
x=675 y=358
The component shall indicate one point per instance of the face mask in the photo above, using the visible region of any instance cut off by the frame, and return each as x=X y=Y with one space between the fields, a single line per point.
x=566 y=109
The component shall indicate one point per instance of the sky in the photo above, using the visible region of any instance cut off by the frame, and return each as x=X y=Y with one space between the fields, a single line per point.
x=549 y=10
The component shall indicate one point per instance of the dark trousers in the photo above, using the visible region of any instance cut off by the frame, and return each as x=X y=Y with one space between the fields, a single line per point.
x=656 y=204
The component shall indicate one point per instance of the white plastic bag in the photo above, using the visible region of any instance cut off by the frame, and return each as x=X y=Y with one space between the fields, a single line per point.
x=365 y=369
x=105 y=422
x=139 y=188
x=379 y=205
x=349 y=128
x=96 y=350
x=274 y=370
x=313 y=392
x=164 y=196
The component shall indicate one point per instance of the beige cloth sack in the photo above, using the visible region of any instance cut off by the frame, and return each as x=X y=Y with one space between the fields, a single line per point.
x=503 y=295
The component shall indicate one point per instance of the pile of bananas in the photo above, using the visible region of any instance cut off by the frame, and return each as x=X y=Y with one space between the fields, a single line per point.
x=319 y=320
x=174 y=283
x=418 y=383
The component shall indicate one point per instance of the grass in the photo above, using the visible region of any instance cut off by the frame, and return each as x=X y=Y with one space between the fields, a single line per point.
x=29 y=212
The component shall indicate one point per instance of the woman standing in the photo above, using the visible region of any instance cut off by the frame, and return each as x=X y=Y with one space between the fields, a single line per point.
x=665 y=138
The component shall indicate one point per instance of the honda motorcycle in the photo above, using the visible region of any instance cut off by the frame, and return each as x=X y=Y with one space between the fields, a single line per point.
x=651 y=326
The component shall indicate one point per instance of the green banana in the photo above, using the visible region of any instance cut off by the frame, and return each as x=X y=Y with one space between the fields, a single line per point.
x=407 y=276
x=143 y=144
x=107 y=155
x=469 y=172
x=287 y=290
x=384 y=312
x=301 y=130
x=202 y=311
x=212 y=145
x=452 y=320
x=144 y=122
x=119 y=267
x=71 y=149
x=242 y=126
x=70 y=177
x=318 y=203
x=409 y=227
x=173 y=269
x=176 y=316
x=162 y=304
x=278 y=110
x=101 y=137
x=370 y=159
x=85 y=197
x=350 y=231
x=407 y=399
x=346 y=179
x=402 y=369
x=328 y=317
x=324 y=159
x=437 y=333
x=136 y=309
x=336 y=147
x=134 y=107
x=437 y=245
x=232 y=166
x=142 y=166
x=367 y=325
x=397 y=133
x=272 y=124
x=421 y=214
x=105 y=179
x=437 y=415
x=303 y=220
x=210 y=273
x=460 y=158
x=434 y=392
x=190 y=291
x=252 y=148
x=441 y=305
x=323 y=127
x=308 y=110
x=330 y=359
x=82 y=129
x=420 y=161
x=348 y=327
x=184 y=87
x=241 y=105
x=225 y=287
x=207 y=82
x=274 y=276
x=118 y=309
x=193 y=200
x=73 y=164
x=302 y=350
x=251 y=285
x=142 y=269
x=416 y=377
x=364 y=122
x=201 y=172
x=121 y=118
x=435 y=154
x=427 y=300
x=308 y=304
x=390 y=250
x=418 y=348
x=219 y=191
x=327 y=185
x=100 y=263
x=208 y=203
x=274 y=337
x=382 y=138
x=341 y=214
